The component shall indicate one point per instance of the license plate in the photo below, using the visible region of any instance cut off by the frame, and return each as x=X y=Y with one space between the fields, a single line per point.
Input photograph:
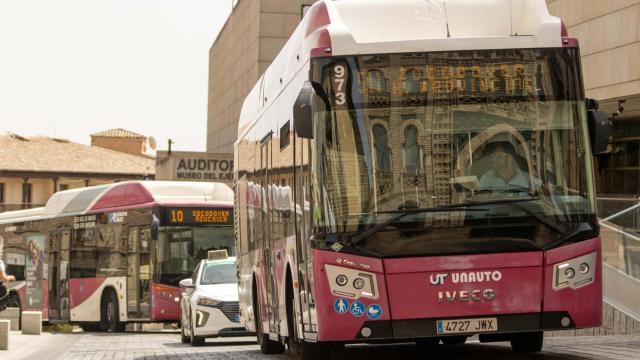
x=458 y=326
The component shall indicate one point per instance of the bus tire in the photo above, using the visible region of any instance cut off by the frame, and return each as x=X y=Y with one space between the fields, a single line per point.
x=183 y=337
x=315 y=351
x=292 y=339
x=454 y=340
x=267 y=346
x=109 y=313
x=527 y=342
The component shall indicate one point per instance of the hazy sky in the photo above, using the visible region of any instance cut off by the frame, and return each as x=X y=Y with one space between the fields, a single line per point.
x=69 y=68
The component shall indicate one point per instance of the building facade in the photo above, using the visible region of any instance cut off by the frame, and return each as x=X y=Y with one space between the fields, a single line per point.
x=610 y=47
x=251 y=38
x=32 y=169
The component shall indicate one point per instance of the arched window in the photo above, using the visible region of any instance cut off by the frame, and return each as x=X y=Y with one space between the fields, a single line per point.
x=381 y=144
x=411 y=84
x=411 y=149
x=376 y=81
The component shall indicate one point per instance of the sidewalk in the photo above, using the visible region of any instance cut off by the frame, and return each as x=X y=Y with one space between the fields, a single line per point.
x=23 y=347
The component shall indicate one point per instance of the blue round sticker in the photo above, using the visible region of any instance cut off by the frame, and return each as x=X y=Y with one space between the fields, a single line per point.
x=341 y=306
x=357 y=309
x=374 y=311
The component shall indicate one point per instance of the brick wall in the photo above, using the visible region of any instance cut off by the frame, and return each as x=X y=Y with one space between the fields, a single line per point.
x=133 y=146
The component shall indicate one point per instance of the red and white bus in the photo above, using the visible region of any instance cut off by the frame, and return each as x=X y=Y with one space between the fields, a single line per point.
x=113 y=254
x=419 y=171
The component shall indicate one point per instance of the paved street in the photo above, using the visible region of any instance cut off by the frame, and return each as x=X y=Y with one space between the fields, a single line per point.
x=97 y=346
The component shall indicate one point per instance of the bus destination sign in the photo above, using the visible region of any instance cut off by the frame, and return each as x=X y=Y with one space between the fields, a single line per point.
x=199 y=216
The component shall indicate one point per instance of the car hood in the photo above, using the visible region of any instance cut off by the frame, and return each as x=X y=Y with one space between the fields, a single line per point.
x=222 y=292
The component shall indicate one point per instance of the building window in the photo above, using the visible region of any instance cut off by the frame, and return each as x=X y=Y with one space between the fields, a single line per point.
x=64 y=187
x=305 y=8
x=376 y=81
x=411 y=149
x=1 y=193
x=381 y=143
x=26 y=193
x=411 y=83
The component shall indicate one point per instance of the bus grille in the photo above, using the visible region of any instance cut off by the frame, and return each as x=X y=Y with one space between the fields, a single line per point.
x=230 y=309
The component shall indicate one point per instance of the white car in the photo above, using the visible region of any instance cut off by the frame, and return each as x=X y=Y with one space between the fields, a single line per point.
x=209 y=304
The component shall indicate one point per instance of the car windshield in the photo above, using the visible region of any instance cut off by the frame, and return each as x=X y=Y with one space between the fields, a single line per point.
x=504 y=130
x=216 y=272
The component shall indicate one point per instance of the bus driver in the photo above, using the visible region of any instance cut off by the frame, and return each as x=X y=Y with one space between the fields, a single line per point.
x=506 y=172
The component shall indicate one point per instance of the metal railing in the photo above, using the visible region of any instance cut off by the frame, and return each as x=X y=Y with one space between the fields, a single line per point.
x=620 y=233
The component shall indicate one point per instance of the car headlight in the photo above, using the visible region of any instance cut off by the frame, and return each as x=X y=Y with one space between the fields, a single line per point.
x=205 y=301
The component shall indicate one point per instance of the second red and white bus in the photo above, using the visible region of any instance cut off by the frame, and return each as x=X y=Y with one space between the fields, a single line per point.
x=419 y=171
x=106 y=255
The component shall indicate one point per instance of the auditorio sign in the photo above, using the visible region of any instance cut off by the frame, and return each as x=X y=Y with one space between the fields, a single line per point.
x=194 y=166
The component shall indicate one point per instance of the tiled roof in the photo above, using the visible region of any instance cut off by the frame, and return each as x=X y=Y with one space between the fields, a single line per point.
x=43 y=154
x=118 y=133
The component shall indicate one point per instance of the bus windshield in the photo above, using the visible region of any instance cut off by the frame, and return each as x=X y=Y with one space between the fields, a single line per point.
x=180 y=248
x=452 y=152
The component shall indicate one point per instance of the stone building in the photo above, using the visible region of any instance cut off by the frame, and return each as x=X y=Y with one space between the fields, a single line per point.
x=121 y=140
x=32 y=169
x=610 y=48
x=251 y=38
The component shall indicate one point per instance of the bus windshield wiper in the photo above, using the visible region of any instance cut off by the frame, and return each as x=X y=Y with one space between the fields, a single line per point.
x=402 y=213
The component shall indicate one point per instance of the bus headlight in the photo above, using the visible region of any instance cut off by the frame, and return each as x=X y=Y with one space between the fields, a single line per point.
x=342 y=280
x=565 y=274
x=205 y=301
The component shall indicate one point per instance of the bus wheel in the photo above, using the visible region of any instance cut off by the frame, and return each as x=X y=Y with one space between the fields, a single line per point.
x=183 y=337
x=454 y=340
x=316 y=351
x=527 y=342
x=267 y=346
x=109 y=314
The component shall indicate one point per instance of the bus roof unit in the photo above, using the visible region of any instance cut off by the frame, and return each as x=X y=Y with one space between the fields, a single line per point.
x=123 y=195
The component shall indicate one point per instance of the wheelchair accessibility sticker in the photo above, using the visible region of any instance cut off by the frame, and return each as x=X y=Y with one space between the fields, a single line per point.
x=357 y=309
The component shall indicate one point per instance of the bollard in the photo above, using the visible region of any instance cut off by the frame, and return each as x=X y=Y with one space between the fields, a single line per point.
x=12 y=314
x=32 y=322
x=4 y=334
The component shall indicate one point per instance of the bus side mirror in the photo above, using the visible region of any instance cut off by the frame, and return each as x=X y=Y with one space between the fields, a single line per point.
x=303 y=112
x=155 y=227
x=599 y=129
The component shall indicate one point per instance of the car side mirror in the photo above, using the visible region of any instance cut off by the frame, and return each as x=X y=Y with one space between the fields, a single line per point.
x=599 y=129
x=186 y=283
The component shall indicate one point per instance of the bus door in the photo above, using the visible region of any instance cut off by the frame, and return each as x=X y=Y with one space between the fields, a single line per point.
x=302 y=150
x=58 y=282
x=268 y=254
x=139 y=270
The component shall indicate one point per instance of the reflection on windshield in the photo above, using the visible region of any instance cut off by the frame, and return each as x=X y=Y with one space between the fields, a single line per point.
x=219 y=273
x=442 y=129
x=180 y=249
